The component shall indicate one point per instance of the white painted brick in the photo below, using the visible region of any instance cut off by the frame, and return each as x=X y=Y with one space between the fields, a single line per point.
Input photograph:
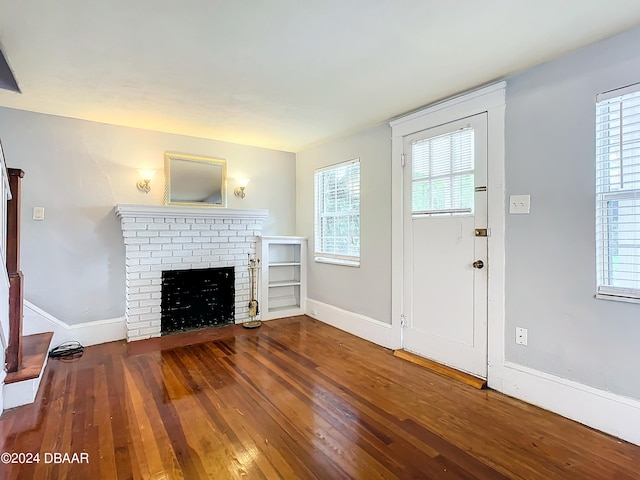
x=189 y=220
x=200 y=226
x=158 y=226
x=135 y=241
x=148 y=331
x=132 y=261
x=199 y=220
x=139 y=311
x=161 y=253
x=150 y=274
x=210 y=233
x=171 y=246
x=150 y=261
x=158 y=239
x=211 y=258
x=150 y=247
x=169 y=233
x=189 y=233
x=138 y=296
x=211 y=246
x=137 y=254
x=151 y=303
x=138 y=268
x=139 y=283
x=200 y=265
x=146 y=233
x=179 y=227
x=201 y=251
x=181 y=240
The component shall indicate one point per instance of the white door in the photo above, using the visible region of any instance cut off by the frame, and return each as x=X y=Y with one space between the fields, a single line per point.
x=445 y=259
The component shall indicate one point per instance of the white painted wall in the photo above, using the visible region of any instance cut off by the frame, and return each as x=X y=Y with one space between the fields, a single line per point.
x=73 y=261
x=365 y=290
x=550 y=254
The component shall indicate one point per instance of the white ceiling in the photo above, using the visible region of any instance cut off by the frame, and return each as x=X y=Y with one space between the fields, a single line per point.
x=281 y=74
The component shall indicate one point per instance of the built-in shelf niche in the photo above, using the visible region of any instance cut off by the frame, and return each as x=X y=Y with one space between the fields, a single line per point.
x=283 y=289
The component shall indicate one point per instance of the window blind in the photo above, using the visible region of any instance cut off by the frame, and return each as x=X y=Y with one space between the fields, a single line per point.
x=337 y=213
x=442 y=174
x=618 y=193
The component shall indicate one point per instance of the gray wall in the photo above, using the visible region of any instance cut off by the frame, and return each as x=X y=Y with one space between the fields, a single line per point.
x=365 y=290
x=550 y=254
x=73 y=261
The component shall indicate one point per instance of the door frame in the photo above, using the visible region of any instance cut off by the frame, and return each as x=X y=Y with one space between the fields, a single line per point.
x=490 y=99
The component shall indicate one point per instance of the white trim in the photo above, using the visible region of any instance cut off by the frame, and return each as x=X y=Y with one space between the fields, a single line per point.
x=361 y=326
x=490 y=99
x=37 y=320
x=614 y=414
x=22 y=393
x=618 y=92
x=129 y=210
x=616 y=298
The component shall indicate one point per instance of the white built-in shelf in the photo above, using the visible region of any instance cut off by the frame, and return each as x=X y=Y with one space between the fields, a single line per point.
x=283 y=271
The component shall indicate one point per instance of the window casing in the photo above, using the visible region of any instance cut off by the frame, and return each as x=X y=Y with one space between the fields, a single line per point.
x=337 y=213
x=618 y=193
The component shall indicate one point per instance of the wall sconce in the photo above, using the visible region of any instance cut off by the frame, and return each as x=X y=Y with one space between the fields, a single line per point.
x=145 y=180
x=242 y=184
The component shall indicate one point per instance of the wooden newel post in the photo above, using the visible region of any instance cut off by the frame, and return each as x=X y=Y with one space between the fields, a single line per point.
x=14 y=349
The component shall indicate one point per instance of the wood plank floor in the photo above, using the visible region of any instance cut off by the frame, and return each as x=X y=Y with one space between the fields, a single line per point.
x=292 y=399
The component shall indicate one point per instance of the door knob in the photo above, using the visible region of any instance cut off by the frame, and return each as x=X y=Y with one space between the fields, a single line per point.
x=478 y=264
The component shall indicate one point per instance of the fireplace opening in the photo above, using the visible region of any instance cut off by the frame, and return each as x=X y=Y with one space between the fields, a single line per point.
x=197 y=298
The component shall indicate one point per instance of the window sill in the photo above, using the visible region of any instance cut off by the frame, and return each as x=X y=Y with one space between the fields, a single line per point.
x=616 y=298
x=338 y=261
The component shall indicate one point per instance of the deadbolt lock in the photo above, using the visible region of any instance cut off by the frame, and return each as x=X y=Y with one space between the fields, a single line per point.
x=482 y=232
x=478 y=264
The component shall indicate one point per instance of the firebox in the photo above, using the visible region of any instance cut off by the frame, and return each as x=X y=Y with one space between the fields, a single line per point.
x=197 y=298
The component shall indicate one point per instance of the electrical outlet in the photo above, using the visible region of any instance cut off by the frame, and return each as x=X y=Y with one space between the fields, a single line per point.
x=520 y=204
x=521 y=336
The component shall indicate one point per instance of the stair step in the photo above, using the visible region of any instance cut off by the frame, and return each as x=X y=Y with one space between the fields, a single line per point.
x=35 y=349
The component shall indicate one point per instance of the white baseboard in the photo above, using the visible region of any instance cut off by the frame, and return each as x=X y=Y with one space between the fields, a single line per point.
x=37 y=320
x=605 y=411
x=359 y=325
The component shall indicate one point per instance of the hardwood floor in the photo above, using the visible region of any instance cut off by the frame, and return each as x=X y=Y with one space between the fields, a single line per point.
x=292 y=399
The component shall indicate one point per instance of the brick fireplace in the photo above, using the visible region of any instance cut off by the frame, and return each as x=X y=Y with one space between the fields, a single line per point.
x=161 y=238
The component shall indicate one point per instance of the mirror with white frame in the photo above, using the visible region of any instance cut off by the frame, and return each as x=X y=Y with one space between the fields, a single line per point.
x=192 y=180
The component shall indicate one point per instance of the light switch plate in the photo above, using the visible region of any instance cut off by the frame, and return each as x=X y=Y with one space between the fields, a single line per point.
x=38 y=213
x=520 y=204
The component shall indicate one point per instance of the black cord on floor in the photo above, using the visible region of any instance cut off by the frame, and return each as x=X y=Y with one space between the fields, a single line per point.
x=67 y=351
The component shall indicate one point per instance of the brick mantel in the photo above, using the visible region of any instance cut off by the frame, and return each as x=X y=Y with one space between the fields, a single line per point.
x=159 y=238
x=138 y=211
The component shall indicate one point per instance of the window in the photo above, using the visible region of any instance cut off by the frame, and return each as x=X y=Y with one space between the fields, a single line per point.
x=337 y=213
x=618 y=193
x=442 y=174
